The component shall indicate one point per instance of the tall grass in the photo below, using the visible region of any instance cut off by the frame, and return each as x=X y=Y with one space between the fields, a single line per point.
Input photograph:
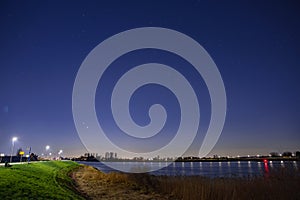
x=277 y=185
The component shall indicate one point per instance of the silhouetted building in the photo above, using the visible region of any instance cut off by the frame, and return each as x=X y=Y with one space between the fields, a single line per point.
x=106 y=155
x=111 y=155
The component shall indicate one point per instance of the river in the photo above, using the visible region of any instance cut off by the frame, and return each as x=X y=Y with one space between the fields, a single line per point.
x=208 y=169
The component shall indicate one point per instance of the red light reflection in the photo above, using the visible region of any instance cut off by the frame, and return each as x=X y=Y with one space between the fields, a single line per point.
x=266 y=168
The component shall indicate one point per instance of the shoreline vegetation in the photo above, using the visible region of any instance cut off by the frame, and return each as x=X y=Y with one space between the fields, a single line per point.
x=70 y=180
x=96 y=185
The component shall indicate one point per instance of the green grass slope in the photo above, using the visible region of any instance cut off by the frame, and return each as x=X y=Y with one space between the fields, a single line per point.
x=41 y=180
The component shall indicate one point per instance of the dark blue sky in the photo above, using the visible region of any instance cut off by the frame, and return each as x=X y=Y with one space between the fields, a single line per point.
x=255 y=45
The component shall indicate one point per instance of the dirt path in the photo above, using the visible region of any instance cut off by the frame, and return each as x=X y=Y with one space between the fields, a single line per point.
x=96 y=185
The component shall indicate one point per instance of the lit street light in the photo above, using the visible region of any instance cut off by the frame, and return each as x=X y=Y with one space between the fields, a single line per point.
x=59 y=153
x=12 y=147
x=47 y=148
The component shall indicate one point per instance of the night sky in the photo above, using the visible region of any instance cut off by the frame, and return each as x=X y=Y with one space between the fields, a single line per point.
x=255 y=45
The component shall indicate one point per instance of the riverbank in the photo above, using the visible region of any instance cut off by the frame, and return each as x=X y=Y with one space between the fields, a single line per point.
x=97 y=185
x=70 y=180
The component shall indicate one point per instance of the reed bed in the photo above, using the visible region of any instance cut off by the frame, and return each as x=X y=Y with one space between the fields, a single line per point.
x=280 y=184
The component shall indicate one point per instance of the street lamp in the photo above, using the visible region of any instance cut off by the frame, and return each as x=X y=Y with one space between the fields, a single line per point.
x=59 y=153
x=47 y=148
x=12 y=147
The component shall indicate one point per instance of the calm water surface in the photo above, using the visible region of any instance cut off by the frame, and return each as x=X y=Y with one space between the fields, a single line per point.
x=210 y=169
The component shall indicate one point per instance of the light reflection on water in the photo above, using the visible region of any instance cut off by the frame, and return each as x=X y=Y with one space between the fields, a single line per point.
x=295 y=165
x=271 y=164
x=220 y=168
x=228 y=167
x=249 y=167
x=210 y=169
x=259 y=164
x=266 y=168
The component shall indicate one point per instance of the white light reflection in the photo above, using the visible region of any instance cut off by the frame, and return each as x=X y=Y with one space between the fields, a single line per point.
x=249 y=167
x=295 y=164
x=220 y=168
x=166 y=164
x=259 y=166
x=183 y=168
x=192 y=168
x=271 y=163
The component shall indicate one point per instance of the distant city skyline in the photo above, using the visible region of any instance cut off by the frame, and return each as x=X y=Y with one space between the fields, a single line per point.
x=255 y=46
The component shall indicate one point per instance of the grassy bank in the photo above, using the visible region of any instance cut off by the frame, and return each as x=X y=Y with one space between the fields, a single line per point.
x=42 y=180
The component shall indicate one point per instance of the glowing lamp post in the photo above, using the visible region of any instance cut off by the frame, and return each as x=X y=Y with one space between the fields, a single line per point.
x=13 y=140
x=47 y=148
x=59 y=153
